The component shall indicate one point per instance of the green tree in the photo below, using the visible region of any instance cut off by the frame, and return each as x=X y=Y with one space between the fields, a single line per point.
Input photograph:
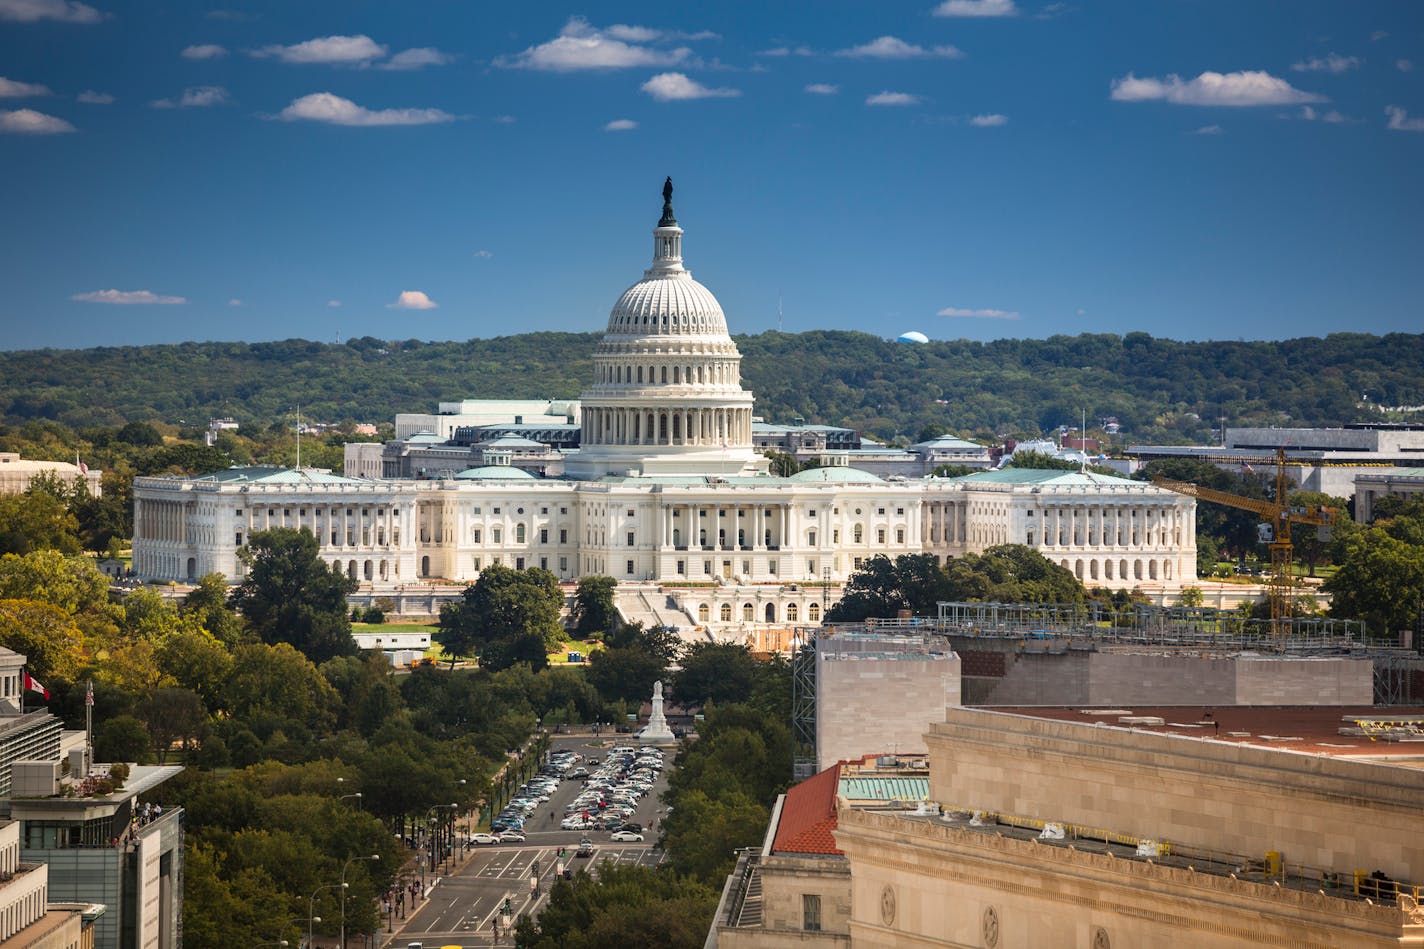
x=702 y=833
x=45 y=635
x=1312 y=544
x=628 y=906
x=660 y=641
x=1011 y=573
x=594 y=610
x=952 y=471
x=37 y=520
x=290 y=595
x=123 y=738
x=783 y=465
x=626 y=674
x=1380 y=580
x=505 y=617
x=1233 y=529
x=715 y=673
x=173 y=715
x=209 y=603
x=882 y=587
x=279 y=684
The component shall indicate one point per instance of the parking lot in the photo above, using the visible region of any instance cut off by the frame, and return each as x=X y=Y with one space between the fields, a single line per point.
x=463 y=907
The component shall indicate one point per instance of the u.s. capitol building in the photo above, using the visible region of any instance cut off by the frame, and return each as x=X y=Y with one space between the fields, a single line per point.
x=666 y=494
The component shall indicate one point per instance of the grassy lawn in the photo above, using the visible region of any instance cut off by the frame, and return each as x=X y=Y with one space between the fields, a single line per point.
x=392 y=627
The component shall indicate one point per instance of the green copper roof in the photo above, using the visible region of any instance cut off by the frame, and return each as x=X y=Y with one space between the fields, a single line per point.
x=885 y=789
x=495 y=473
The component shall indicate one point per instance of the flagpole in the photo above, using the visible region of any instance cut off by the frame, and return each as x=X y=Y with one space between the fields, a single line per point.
x=89 y=728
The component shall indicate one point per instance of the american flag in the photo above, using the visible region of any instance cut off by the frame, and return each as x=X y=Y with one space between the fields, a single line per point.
x=89 y=694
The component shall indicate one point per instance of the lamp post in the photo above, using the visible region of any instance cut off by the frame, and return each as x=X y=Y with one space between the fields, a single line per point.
x=344 y=868
x=279 y=942
x=357 y=796
x=311 y=908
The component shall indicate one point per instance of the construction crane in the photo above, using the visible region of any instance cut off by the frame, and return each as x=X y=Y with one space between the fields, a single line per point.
x=1278 y=516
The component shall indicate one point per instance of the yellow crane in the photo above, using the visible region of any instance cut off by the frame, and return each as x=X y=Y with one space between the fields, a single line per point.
x=1278 y=516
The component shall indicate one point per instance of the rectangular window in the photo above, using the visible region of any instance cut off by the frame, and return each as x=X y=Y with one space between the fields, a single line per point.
x=630 y=568
x=880 y=535
x=563 y=510
x=543 y=510
x=811 y=512
x=1029 y=539
x=395 y=536
x=476 y=509
x=631 y=512
x=350 y=538
x=543 y=563
x=899 y=512
x=563 y=537
x=496 y=533
x=811 y=567
x=543 y=535
x=238 y=539
x=811 y=912
x=880 y=510
x=302 y=511
x=380 y=536
x=899 y=535
x=858 y=561
x=518 y=563
x=681 y=567
x=477 y=535
x=496 y=510
x=563 y=564
x=771 y=567
x=707 y=567
x=477 y=564
x=630 y=539
x=334 y=541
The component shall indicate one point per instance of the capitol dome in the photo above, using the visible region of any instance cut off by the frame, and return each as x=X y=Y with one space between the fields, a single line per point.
x=667 y=394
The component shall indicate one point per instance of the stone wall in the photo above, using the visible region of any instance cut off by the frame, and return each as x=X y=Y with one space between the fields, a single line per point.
x=879 y=704
x=920 y=883
x=1331 y=813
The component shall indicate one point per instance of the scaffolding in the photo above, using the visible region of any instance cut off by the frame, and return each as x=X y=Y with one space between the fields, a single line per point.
x=803 y=708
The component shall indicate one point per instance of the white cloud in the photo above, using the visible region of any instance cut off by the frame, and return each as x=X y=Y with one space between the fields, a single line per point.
x=14 y=89
x=333 y=303
x=234 y=302
x=582 y=46
x=1400 y=121
x=1252 y=87
x=892 y=98
x=417 y=58
x=484 y=254
x=779 y=51
x=357 y=50
x=197 y=97
x=30 y=122
x=978 y=314
x=1404 y=65
x=976 y=8
x=90 y=97
x=890 y=47
x=1210 y=130
x=620 y=125
x=505 y=119
x=325 y=107
x=65 y=11
x=1310 y=114
x=126 y=297
x=1331 y=62
x=1081 y=312
x=412 y=300
x=992 y=120
x=204 y=51
x=822 y=89
x=674 y=86
x=1378 y=35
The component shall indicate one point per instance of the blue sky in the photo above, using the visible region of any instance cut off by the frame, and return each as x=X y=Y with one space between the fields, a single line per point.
x=1195 y=169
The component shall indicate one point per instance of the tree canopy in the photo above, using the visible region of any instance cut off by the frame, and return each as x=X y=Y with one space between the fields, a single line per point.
x=290 y=595
x=594 y=610
x=505 y=617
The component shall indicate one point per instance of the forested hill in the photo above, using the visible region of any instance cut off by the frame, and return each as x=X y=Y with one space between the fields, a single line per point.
x=1159 y=389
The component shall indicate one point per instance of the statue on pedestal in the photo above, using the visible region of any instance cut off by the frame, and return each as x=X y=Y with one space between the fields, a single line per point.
x=657 y=731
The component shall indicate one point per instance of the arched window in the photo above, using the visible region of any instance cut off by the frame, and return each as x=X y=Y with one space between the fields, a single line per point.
x=425 y=566
x=640 y=373
x=771 y=612
x=703 y=613
x=664 y=373
x=519 y=533
x=748 y=613
x=811 y=538
x=726 y=612
x=813 y=612
x=791 y=613
x=859 y=534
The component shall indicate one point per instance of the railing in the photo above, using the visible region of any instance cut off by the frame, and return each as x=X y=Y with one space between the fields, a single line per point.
x=1271 y=868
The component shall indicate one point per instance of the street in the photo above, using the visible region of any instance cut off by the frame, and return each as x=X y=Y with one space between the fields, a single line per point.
x=461 y=908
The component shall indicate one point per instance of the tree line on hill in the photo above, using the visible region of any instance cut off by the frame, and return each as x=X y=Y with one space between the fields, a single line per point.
x=1159 y=390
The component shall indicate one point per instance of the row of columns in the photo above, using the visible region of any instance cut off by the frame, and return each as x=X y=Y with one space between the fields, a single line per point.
x=161 y=520
x=713 y=373
x=1136 y=525
x=356 y=529
x=680 y=525
x=729 y=427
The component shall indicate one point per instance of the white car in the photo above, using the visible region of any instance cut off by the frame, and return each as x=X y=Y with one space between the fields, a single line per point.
x=511 y=837
x=626 y=836
x=483 y=839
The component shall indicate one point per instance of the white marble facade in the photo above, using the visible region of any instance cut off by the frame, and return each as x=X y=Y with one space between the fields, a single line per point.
x=666 y=490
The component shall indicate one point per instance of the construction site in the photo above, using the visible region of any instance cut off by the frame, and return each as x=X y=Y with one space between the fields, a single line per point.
x=851 y=682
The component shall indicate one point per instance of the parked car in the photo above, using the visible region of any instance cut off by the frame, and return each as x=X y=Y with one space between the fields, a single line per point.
x=626 y=836
x=483 y=839
x=511 y=837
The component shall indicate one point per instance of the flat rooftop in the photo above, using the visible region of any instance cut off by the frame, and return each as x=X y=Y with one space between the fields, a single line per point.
x=1388 y=734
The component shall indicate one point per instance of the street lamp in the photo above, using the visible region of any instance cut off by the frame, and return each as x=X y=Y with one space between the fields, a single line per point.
x=430 y=833
x=357 y=796
x=344 y=886
x=311 y=908
x=279 y=942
